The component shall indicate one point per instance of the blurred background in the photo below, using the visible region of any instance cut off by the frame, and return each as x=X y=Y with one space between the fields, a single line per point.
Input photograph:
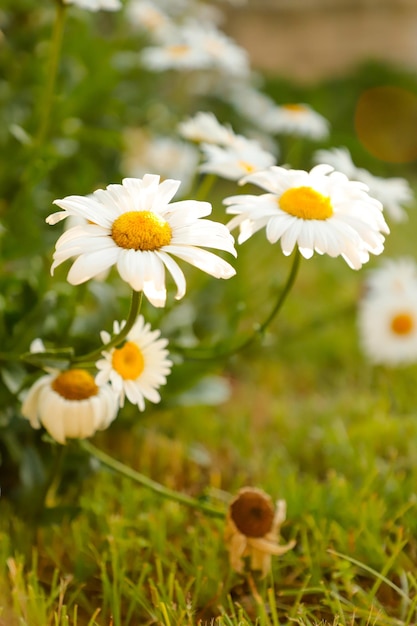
x=309 y=40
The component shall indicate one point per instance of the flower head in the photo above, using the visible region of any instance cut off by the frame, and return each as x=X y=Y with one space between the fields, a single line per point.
x=135 y=227
x=173 y=158
x=138 y=368
x=252 y=530
x=296 y=119
x=393 y=193
x=237 y=159
x=70 y=405
x=320 y=211
x=194 y=45
x=393 y=276
x=205 y=127
x=388 y=327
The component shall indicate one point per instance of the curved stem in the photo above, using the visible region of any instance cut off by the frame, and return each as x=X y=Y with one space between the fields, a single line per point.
x=135 y=305
x=214 y=353
x=144 y=481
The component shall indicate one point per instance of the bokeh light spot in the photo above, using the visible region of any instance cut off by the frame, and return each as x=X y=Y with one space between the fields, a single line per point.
x=386 y=123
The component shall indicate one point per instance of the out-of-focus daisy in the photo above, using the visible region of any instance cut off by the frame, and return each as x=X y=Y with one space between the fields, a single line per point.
x=138 y=368
x=176 y=53
x=149 y=18
x=70 y=405
x=135 y=227
x=96 y=5
x=205 y=127
x=394 y=276
x=388 y=327
x=252 y=530
x=196 y=46
x=319 y=211
x=223 y=53
x=233 y=161
x=171 y=157
x=296 y=119
x=250 y=102
x=392 y=192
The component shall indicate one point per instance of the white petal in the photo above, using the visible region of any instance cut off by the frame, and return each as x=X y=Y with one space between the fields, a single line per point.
x=87 y=266
x=175 y=271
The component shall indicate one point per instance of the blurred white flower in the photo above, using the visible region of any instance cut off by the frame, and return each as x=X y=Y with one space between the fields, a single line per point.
x=205 y=127
x=177 y=55
x=319 y=211
x=392 y=192
x=70 y=405
x=223 y=53
x=138 y=368
x=296 y=119
x=250 y=102
x=148 y=17
x=96 y=5
x=196 y=46
x=394 y=276
x=171 y=157
x=235 y=160
x=388 y=327
x=135 y=227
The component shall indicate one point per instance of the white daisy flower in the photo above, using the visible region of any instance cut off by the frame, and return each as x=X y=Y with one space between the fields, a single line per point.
x=138 y=368
x=178 y=52
x=171 y=157
x=223 y=53
x=392 y=192
x=70 y=405
x=135 y=227
x=196 y=46
x=296 y=119
x=96 y=5
x=235 y=160
x=205 y=127
x=388 y=327
x=320 y=211
x=149 y=18
x=395 y=276
x=251 y=103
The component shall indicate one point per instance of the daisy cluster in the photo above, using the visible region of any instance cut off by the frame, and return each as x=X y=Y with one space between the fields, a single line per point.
x=143 y=231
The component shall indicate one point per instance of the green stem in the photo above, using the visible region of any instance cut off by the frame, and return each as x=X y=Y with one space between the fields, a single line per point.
x=144 y=481
x=205 y=186
x=52 y=72
x=259 y=330
x=135 y=305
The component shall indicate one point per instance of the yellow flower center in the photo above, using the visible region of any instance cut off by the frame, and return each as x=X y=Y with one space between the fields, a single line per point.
x=128 y=361
x=306 y=203
x=402 y=324
x=248 y=167
x=75 y=385
x=252 y=513
x=179 y=50
x=141 y=230
x=295 y=108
